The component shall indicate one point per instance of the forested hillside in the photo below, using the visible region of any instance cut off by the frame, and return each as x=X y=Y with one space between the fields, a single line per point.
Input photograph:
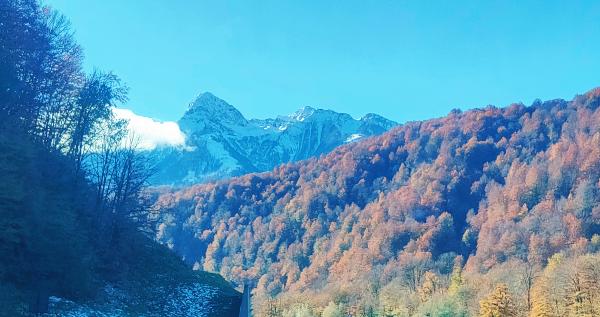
x=71 y=189
x=494 y=211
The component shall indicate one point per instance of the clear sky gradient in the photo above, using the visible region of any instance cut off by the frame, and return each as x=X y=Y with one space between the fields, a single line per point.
x=406 y=60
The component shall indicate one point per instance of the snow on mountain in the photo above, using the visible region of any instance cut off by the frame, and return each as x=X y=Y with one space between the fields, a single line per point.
x=221 y=143
x=353 y=137
x=208 y=114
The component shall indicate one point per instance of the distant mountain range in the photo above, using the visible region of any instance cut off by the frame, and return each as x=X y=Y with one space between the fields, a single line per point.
x=221 y=143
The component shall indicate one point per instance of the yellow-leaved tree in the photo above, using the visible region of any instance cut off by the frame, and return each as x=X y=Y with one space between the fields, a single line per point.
x=540 y=300
x=456 y=278
x=498 y=304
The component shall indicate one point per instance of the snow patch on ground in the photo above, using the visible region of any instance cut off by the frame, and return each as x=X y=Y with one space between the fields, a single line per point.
x=193 y=300
x=188 y=300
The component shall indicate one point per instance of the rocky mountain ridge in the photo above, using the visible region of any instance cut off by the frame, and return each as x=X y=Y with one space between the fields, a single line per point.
x=221 y=142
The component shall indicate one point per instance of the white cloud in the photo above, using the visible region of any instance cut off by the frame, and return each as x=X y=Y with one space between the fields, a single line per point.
x=149 y=132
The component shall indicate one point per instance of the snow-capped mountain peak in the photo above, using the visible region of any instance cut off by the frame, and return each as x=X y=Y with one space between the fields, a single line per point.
x=302 y=113
x=210 y=113
x=223 y=143
x=209 y=101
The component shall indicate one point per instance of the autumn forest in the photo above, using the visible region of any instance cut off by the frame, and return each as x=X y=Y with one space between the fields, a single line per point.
x=488 y=212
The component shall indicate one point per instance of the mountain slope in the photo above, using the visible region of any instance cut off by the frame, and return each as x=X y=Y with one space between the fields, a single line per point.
x=492 y=185
x=220 y=142
x=51 y=247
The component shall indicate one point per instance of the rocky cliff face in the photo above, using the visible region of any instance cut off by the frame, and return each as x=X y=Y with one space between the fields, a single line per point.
x=221 y=143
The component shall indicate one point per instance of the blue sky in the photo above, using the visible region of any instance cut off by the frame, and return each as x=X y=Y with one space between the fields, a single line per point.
x=406 y=60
